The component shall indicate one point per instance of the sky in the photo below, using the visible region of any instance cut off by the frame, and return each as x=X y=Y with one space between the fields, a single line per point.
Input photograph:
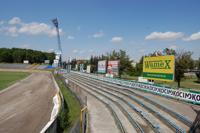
x=95 y=27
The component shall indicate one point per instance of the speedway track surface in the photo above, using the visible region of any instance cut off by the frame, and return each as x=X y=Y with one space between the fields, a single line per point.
x=26 y=106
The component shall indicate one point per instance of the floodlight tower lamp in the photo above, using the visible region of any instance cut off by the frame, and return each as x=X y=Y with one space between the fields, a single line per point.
x=59 y=52
x=55 y=22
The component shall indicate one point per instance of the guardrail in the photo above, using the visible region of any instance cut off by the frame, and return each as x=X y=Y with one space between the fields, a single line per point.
x=190 y=97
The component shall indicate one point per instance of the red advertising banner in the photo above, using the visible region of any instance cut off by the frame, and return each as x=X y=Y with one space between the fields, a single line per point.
x=113 y=68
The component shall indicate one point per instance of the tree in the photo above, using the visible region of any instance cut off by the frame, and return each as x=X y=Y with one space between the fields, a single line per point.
x=139 y=67
x=125 y=63
x=73 y=63
x=198 y=68
x=183 y=62
x=6 y=55
x=94 y=63
x=17 y=55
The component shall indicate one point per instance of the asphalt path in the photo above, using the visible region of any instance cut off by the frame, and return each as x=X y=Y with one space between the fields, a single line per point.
x=26 y=106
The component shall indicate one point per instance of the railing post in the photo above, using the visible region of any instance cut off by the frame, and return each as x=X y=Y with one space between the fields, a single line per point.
x=84 y=109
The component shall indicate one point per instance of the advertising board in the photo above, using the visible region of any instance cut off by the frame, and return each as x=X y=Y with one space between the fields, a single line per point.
x=102 y=66
x=159 y=68
x=81 y=66
x=46 y=61
x=56 y=61
x=113 y=67
x=88 y=69
x=76 y=67
x=26 y=61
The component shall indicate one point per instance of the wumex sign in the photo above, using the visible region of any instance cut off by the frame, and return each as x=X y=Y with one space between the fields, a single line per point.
x=159 y=67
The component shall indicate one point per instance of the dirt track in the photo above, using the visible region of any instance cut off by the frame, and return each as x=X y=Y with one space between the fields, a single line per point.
x=26 y=106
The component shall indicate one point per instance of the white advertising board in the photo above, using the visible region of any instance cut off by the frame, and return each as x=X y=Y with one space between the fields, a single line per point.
x=76 y=67
x=102 y=66
x=55 y=61
x=47 y=61
x=88 y=69
x=57 y=57
x=26 y=61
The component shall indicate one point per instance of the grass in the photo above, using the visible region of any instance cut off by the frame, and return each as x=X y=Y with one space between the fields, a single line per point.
x=71 y=101
x=186 y=83
x=129 y=77
x=9 y=78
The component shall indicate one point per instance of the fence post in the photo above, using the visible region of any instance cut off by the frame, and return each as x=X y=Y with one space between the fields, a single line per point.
x=84 y=109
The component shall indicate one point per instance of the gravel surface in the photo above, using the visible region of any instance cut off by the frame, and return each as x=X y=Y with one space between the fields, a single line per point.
x=26 y=106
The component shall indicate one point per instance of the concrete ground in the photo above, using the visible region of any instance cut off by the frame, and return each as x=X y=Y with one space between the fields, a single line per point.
x=177 y=106
x=26 y=106
x=100 y=118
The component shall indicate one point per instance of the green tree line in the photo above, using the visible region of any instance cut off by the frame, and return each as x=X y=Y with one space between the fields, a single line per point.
x=17 y=55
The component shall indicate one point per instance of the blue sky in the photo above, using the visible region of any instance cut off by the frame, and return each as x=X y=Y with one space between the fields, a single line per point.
x=94 y=27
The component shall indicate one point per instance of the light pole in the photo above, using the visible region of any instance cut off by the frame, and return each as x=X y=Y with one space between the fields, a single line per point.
x=55 y=22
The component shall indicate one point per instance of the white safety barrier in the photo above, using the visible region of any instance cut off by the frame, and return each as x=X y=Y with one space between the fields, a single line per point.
x=54 y=113
x=55 y=110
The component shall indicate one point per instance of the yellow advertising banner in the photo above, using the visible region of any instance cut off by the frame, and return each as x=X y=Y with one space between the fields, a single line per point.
x=159 y=67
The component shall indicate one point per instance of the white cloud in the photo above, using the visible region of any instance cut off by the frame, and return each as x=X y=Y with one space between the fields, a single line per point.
x=90 y=50
x=14 y=21
x=50 y=50
x=82 y=51
x=38 y=29
x=11 y=31
x=98 y=34
x=174 y=47
x=193 y=37
x=1 y=22
x=117 y=39
x=33 y=28
x=75 y=51
x=25 y=46
x=164 y=36
x=142 y=50
x=70 y=37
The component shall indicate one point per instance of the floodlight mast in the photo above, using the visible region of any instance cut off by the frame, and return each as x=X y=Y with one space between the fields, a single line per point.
x=55 y=22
